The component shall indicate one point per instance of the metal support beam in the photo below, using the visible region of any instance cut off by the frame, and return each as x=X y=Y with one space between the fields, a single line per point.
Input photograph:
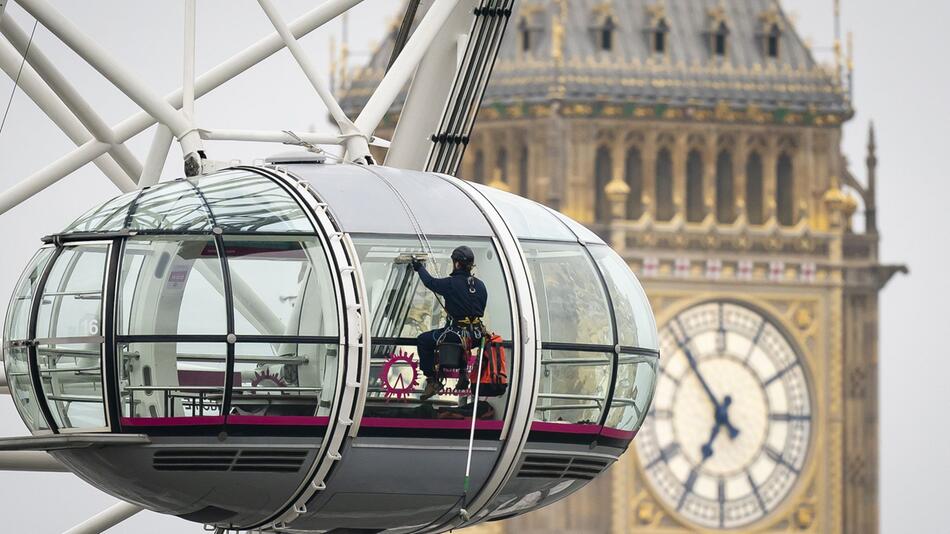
x=157 y=154
x=33 y=461
x=106 y=519
x=54 y=108
x=357 y=147
x=188 y=77
x=205 y=83
x=286 y=137
x=52 y=173
x=404 y=66
x=125 y=81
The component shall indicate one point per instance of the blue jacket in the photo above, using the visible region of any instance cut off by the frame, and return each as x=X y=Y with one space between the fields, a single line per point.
x=465 y=295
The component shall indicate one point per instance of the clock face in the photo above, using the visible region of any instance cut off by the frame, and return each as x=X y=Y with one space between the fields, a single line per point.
x=728 y=433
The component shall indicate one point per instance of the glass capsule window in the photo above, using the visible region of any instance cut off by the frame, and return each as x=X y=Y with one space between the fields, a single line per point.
x=401 y=308
x=635 y=324
x=15 y=335
x=69 y=337
x=224 y=311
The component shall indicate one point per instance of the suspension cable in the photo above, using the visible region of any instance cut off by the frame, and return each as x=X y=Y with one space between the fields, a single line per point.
x=16 y=81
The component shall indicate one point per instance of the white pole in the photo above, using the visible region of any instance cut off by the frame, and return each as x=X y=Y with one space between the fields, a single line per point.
x=205 y=83
x=188 y=80
x=35 y=461
x=106 y=519
x=157 y=154
x=70 y=96
x=272 y=136
x=52 y=173
x=56 y=110
x=125 y=81
x=356 y=146
x=402 y=69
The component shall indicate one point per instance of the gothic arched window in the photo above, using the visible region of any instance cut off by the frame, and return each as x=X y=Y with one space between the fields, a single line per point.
x=524 y=30
x=603 y=166
x=725 y=189
x=785 y=191
x=523 y=172
x=695 y=208
x=658 y=36
x=772 y=41
x=633 y=174
x=502 y=164
x=720 y=38
x=664 y=185
x=605 y=34
x=753 y=189
x=478 y=172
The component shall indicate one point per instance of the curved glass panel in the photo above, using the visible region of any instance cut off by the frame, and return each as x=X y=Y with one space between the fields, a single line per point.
x=16 y=326
x=283 y=379
x=574 y=386
x=526 y=218
x=636 y=378
x=362 y=200
x=16 y=366
x=636 y=326
x=71 y=307
x=171 y=285
x=402 y=308
x=172 y=206
x=71 y=304
x=177 y=383
x=583 y=233
x=281 y=287
x=241 y=201
x=108 y=217
x=71 y=378
x=572 y=305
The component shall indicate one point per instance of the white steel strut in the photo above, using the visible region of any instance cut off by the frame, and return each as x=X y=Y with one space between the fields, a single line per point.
x=449 y=28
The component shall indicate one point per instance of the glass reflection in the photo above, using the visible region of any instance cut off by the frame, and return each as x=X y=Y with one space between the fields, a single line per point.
x=574 y=386
x=281 y=287
x=636 y=326
x=572 y=305
x=283 y=379
x=248 y=202
x=71 y=379
x=636 y=376
x=171 y=380
x=71 y=305
x=171 y=286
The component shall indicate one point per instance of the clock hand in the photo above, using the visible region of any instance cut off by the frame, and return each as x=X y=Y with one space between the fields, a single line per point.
x=706 y=449
x=692 y=363
x=723 y=417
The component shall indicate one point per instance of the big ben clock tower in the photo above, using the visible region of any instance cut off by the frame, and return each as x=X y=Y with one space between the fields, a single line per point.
x=702 y=140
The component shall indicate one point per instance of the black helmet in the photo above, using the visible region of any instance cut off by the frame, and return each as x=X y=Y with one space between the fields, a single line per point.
x=465 y=256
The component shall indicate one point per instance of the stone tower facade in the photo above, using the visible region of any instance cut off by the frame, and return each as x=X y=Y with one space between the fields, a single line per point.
x=701 y=139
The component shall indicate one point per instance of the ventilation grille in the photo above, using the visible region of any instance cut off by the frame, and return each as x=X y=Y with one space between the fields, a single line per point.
x=256 y=460
x=561 y=467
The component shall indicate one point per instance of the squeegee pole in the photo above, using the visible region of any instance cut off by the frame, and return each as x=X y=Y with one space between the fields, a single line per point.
x=471 y=434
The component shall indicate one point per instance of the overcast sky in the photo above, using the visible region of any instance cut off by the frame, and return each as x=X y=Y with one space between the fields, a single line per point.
x=902 y=81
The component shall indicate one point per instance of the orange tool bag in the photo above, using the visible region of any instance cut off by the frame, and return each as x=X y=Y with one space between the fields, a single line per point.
x=494 y=379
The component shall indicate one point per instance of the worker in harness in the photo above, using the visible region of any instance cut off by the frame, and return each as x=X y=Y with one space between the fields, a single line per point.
x=465 y=300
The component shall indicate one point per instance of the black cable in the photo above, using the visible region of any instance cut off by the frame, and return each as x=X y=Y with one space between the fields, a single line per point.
x=16 y=81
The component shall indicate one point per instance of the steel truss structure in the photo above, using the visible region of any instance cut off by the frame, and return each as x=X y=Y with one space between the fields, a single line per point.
x=447 y=58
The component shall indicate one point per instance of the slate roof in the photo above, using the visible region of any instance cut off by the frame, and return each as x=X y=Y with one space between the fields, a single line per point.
x=689 y=74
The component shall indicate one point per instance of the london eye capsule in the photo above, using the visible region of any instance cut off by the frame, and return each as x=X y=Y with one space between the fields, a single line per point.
x=238 y=349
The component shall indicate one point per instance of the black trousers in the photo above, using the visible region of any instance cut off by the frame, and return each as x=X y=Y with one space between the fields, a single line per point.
x=426 y=343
